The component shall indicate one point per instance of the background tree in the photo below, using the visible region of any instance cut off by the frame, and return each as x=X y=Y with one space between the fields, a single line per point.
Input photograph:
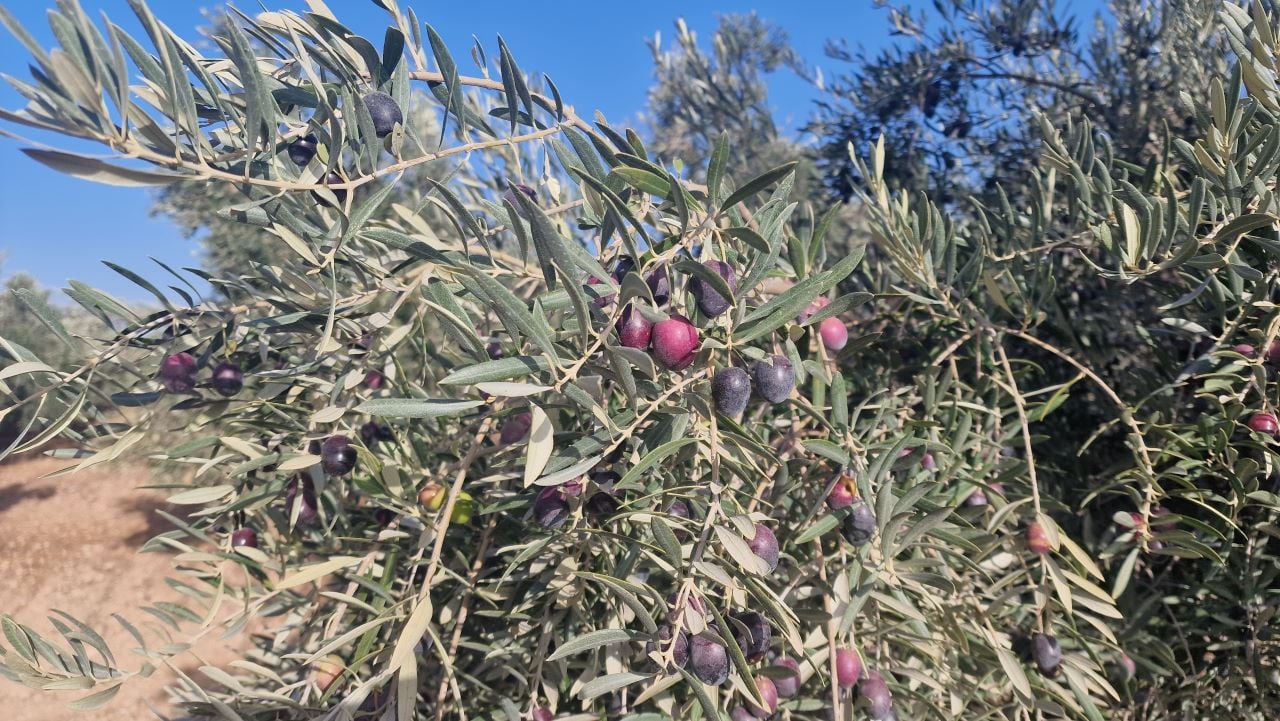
x=604 y=446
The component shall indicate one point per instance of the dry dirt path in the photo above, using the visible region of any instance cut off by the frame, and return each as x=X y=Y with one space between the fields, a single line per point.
x=71 y=543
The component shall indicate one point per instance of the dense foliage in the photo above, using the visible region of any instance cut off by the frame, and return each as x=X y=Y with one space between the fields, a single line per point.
x=519 y=419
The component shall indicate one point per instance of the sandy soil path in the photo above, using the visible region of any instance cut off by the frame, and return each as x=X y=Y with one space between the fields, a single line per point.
x=71 y=543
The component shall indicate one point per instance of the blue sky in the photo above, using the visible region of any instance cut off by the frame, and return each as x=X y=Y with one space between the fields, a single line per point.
x=57 y=227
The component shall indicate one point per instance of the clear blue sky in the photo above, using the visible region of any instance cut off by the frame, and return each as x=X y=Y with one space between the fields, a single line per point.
x=57 y=227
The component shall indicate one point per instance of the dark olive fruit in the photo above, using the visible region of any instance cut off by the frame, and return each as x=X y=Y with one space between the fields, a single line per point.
x=659 y=285
x=178 y=372
x=874 y=695
x=384 y=516
x=332 y=178
x=550 y=509
x=775 y=378
x=337 y=456
x=710 y=302
x=740 y=713
x=373 y=432
x=709 y=661
x=679 y=647
x=510 y=197
x=1038 y=539
x=787 y=686
x=634 y=330
x=752 y=633
x=494 y=350
x=769 y=694
x=228 y=379
x=848 y=667
x=374 y=379
x=602 y=504
x=1265 y=423
x=1273 y=352
x=1244 y=349
x=680 y=509
x=541 y=713
x=1047 y=654
x=244 y=537
x=765 y=545
x=302 y=150
x=860 y=525
x=675 y=342
x=515 y=429
x=304 y=503
x=834 y=333
x=385 y=112
x=730 y=390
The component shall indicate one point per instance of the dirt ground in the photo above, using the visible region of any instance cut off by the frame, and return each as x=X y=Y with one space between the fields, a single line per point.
x=71 y=543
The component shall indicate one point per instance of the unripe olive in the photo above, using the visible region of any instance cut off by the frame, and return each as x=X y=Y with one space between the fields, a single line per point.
x=1038 y=539
x=730 y=390
x=775 y=378
x=337 y=456
x=326 y=671
x=385 y=112
x=432 y=496
x=843 y=493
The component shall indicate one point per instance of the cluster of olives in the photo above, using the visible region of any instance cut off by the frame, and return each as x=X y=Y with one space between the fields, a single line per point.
x=179 y=374
x=386 y=115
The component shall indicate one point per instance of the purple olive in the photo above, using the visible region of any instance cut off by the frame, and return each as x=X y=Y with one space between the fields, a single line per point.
x=244 y=537
x=765 y=545
x=753 y=634
x=634 y=330
x=874 y=693
x=516 y=428
x=385 y=112
x=228 y=379
x=860 y=525
x=659 y=285
x=550 y=509
x=710 y=302
x=730 y=390
x=337 y=456
x=709 y=660
x=1047 y=654
x=178 y=373
x=510 y=197
x=675 y=342
x=679 y=648
x=775 y=378
x=305 y=502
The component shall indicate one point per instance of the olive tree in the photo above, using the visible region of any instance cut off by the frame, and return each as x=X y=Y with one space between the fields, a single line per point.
x=568 y=433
